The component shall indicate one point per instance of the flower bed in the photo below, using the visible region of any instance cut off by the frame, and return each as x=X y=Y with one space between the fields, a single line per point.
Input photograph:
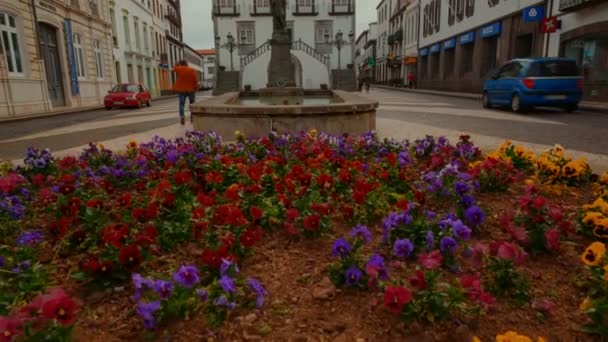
x=309 y=235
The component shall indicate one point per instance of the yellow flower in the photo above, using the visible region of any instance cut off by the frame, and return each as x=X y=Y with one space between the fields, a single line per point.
x=312 y=133
x=541 y=339
x=598 y=204
x=585 y=304
x=476 y=339
x=132 y=144
x=102 y=147
x=605 y=272
x=592 y=217
x=594 y=254
x=604 y=178
x=512 y=336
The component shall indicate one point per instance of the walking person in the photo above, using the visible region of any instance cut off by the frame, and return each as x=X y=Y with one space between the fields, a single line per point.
x=185 y=86
x=411 y=80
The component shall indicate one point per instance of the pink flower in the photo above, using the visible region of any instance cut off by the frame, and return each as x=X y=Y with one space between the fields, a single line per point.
x=510 y=251
x=479 y=251
x=431 y=260
x=555 y=213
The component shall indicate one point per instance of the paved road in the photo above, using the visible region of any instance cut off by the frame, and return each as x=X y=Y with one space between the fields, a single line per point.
x=582 y=131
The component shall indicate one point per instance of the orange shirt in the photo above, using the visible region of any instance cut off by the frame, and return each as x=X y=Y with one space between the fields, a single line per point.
x=187 y=80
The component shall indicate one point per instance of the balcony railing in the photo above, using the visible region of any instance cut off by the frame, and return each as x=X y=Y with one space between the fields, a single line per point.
x=306 y=8
x=226 y=11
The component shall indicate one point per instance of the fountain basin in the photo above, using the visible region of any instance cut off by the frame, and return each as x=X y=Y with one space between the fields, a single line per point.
x=256 y=113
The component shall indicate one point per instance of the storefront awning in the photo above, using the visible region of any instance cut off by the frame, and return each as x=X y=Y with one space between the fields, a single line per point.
x=409 y=60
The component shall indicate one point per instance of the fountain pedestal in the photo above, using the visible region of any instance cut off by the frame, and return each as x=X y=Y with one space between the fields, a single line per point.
x=281 y=72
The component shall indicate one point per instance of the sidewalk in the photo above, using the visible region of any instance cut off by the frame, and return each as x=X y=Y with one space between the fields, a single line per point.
x=585 y=105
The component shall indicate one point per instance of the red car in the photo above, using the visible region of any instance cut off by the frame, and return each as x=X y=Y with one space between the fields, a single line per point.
x=128 y=95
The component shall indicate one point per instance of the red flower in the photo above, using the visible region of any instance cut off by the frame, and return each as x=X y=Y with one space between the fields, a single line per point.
x=125 y=200
x=419 y=195
x=324 y=181
x=91 y=264
x=555 y=213
x=199 y=228
x=115 y=235
x=9 y=328
x=130 y=258
x=199 y=213
x=205 y=200
x=152 y=211
x=59 y=306
x=396 y=297
x=391 y=158
x=97 y=204
x=431 y=260
x=232 y=193
x=38 y=180
x=169 y=199
x=67 y=162
x=138 y=215
x=147 y=237
x=251 y=236
x=418 y=280
x=359 y=196
x=552 y=239
x=213 y=258
x=402 y=204
x=58 y=229
x=182 y=177
x=509 y=251
x=256 y=213
x=105 y=269
x=290 y=229
x=214 y=177
x=539 y=202
x=312 y=223
x=292 y=214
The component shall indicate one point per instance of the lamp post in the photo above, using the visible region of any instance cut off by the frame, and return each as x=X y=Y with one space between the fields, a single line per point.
x=339 y=43
x=229 y=45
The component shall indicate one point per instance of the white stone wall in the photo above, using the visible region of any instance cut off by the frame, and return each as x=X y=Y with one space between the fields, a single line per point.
x=209 y=70
x=483 y=14
x=314 y=72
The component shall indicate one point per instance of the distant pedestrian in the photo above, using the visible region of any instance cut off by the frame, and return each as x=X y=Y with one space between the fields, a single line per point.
x=185 y=86
x=411 y=80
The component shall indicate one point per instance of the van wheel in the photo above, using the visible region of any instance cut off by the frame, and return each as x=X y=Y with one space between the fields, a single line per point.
x=485 y=100
x=516 y=104
x=571 y=108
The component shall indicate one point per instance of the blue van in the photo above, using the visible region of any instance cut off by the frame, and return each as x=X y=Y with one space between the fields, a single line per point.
x=545 y=82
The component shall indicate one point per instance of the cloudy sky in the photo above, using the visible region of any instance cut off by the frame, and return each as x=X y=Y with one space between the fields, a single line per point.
x=198 y=27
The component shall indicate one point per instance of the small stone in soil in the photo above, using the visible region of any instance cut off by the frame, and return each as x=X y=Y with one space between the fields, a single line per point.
x=324 y=289
x=249 y=318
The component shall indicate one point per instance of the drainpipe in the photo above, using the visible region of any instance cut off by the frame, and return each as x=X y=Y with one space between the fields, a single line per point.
x=548 y=35
x=36 y=28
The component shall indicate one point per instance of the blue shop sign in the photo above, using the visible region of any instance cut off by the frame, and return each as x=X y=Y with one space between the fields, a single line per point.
x=491 y=30
x=534 y=13
x=67 y=24
x=449 y=44
x=467 y=38
x=424 y=52
x=435 y=48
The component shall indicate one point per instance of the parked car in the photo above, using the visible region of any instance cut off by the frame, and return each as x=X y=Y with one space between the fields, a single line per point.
x=128 y=95
x=524 y=83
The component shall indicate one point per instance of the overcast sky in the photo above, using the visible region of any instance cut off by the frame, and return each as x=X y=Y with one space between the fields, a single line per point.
x=198 y=27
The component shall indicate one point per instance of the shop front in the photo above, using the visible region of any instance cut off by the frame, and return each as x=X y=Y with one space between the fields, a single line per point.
x=588 y=45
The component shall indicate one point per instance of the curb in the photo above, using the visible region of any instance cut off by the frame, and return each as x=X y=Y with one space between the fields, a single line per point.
x=582 y=105
x=65 y=112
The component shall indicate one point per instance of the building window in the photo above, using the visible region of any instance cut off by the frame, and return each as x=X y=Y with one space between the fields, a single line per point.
x=94 y=8
x=455 y=11
x=125 y=21
x=118 y=73
x=466 y=60
x=136 y=31
x=146 y=44
x=75 y=4
x=226 y=3
x=113 y=20
x=98 y=58
x=79 y=54
x=304 y=3
x=130 y=72
x=470 y=8
x=10 y=43
x=323 y=34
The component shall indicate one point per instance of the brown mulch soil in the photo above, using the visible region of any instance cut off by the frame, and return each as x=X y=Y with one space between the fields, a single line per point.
x=294 y=272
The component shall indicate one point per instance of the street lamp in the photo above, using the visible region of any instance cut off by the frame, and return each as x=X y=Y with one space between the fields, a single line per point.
x=230 y=45
x=339 y=43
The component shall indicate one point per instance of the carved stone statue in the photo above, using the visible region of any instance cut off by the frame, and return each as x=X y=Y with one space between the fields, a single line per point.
x=279 y=14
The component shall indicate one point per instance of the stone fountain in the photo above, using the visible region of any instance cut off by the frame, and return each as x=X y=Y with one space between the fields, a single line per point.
x=282 y=106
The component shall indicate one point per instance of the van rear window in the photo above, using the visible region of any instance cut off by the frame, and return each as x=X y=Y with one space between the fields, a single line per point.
x=553 y=69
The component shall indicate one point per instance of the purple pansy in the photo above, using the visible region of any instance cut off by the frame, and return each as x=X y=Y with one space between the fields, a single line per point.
x=448 y=244
x=146 y=312
x=403 y=248
x=353 y=276
x=227 y=284
x=187 y=276
x=163 y=288
x=361 y=231
x=259 y=291
x=341 y=248
x=474 y=216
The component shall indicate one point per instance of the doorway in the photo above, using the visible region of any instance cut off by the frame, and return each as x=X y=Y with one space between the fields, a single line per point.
x=52 y=65
x=523 y=46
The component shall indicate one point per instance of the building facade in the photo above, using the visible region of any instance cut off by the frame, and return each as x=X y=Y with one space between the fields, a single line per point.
x=461 y=42
x=54 y=57
x=196 y=62
x=384 y=11
x=208 y=67
x=396 y=43
x=144 y=35
x=314 y=25
x=411 y=24
x=583 y=35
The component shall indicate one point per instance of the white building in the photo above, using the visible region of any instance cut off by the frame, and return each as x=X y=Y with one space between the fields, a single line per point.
x=384 y=9
x=313 y=23
x=462 y=41
x=209 y=67
x=370 y=51
x=583 y=35
x=143 y=37
x=195 y=61
x=411 y=24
